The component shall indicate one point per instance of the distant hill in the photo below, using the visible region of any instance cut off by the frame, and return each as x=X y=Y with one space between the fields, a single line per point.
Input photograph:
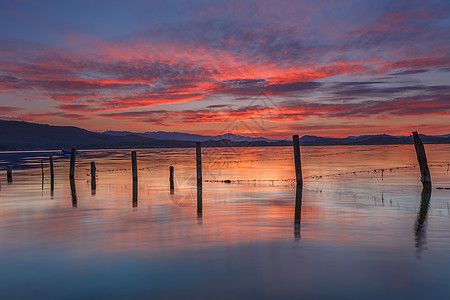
x=17 y=135
x=180 y=136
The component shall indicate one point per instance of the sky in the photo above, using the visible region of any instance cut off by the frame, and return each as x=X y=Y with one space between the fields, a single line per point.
x=257 y=68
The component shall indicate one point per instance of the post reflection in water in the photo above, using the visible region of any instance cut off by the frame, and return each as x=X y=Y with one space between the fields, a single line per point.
x=420 y=227
x=298 y=211
x=93 y=187
x=199 y=203
x=135 y=193
x=73 y=192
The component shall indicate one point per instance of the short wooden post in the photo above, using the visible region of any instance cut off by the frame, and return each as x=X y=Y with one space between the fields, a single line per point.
x=172 y=186
x=9 y=173
x=425 y=177
x=198 y=152
x=52 y=175
x=93 y=181
x=72 y=163
x=297 y=160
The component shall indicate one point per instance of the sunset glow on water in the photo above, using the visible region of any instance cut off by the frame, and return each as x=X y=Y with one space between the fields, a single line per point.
x=356 y=228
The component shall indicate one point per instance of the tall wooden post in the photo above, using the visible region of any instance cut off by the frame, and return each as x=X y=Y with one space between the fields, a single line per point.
x=297 y=160
x=52 y=175
x=9 y=173
x=93 y=181
x=135 y=177
x=72 y=163
x=172 y=186
x=198 y=154
x=134 y=165
x=425 y=177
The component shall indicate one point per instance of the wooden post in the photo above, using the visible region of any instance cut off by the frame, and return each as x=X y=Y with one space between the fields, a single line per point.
x=93 y=182
x=297 y=160
x=422 y=159
x=72 y=163
x=198 y=152
x=134 y=165
x=9 y=173
x=172 y=186
x=52 y=175
x=135 y=177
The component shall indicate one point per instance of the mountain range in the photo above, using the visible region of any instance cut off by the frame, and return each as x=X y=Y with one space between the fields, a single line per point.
x=19 y=135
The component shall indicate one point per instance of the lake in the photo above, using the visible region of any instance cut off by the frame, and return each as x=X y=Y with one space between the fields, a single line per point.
x=365 y=228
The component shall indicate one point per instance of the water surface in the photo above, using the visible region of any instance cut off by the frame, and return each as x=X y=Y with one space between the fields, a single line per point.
x=366 y=229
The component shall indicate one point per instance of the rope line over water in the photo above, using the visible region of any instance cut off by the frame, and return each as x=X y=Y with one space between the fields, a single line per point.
x=292 y=180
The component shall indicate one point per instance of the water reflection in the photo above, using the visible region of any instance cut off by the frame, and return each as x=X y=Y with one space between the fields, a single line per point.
x=421 y=224
x=298 y=211
x=199 y=201
x=73 y=192
x=135 y=193
x=247 y=225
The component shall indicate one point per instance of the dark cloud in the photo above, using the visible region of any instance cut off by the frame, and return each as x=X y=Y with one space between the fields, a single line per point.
x=409 y=72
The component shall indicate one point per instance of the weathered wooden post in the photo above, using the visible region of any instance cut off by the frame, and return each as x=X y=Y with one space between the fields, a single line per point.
x=93 y=182
x=9 y=173
x=72 y=163
x=172 y=186
x=135 y=177
x=134 y=165
x=297 y=160
x=425 y=177
x=52 y=175
x=198 y=154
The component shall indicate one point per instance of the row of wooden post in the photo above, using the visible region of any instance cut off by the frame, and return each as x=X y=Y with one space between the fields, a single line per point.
x=420 y=152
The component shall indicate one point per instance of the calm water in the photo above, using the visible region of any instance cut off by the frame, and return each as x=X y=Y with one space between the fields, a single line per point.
x=366 y=229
